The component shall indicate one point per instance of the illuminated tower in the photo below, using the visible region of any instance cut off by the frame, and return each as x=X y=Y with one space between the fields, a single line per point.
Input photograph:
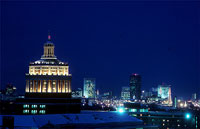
x=89 y=87
x=125 y=93
x=48 y=87
x=135 y=86
x=164 y=92
x=48 y=75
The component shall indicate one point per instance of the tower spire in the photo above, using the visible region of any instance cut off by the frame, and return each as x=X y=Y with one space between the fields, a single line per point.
x=49 y=37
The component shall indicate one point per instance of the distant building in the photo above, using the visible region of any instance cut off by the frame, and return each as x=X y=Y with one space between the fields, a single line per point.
x=194 y=96
x=10 y=89
x=164 y=92
x=125 y=93
x=78 y=93
x=107 y=95
x=135 y=86
x=154 y=91
x=89 y=87
x=146 y=94
x=97 y=93
x=9 y=93
x=175 y=103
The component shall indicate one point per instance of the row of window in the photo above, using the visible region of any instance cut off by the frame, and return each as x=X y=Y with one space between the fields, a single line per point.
x=34 y=106
x=138 y=110
x=49 y=68
x=34 y=111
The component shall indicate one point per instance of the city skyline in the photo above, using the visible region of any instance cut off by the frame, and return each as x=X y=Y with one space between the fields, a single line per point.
x=110 y=58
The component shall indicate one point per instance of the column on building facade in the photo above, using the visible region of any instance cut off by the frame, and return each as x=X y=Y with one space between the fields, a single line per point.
x=31 y=86
x=47 y=81
x=69 y=86
x=56 y=86
x=36 y=85
x=63 y=86
x=59 y=86
x=39 y=86
x=49 y=86
x=66 y=87
x=53 y=86
x=42 y=85
x=51 y=89
x=46 y=89
x=27 y=85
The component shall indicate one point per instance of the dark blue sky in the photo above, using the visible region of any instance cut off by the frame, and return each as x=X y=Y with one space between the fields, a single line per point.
x=106 y=40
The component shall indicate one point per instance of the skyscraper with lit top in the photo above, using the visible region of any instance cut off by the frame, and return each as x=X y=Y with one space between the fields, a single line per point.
x=135 y=86
x=48 y=75
x=48 y=86
x=164 y=92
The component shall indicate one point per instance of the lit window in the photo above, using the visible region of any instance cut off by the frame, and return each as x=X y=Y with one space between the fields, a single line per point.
x=133 y=110
x=34 y=106
x=33 y=111
x=25 y=106
x=42 y=106
x=42 y=111
x=25 y=111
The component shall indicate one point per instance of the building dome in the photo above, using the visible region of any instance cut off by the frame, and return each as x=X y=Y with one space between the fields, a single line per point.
x=48 y=75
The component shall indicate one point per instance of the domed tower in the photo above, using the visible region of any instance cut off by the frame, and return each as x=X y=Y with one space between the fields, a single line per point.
x=48 y=75
x=48 y=87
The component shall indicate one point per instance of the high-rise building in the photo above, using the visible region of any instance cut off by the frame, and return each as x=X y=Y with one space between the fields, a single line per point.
x=194 y=96
x=48 y=75
x=175 y=103
x=89 y=87
x=164 y=92
x=135 y=86
x=48 y=86
x=125 y=93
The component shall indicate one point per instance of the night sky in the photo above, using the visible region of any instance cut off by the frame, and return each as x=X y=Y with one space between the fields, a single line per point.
x=107 y=41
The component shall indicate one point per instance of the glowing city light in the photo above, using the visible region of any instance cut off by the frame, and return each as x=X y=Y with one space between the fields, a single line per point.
x=120 y=110
x=187 y=115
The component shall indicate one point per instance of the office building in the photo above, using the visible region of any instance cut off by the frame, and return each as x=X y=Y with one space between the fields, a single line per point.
x=194 y=96
x=164 y=92
x=135 y=86
x=89 y=87
x=125 y=93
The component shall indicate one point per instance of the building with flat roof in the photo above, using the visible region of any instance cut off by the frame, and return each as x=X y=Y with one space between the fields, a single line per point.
x=164 y=92
x=89 y=86
x=125 y=93
x=135 y=86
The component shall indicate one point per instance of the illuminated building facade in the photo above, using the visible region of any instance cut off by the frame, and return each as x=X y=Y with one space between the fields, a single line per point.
x=125 y=93
x=48 y=86
x=135 y=86
x=164 y=92
x=48 y=75
x=89 y=87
